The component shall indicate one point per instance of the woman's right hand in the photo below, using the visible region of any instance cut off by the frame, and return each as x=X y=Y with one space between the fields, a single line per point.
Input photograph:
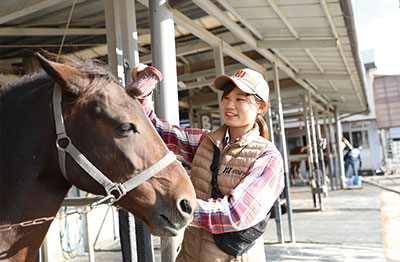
x=136 y=70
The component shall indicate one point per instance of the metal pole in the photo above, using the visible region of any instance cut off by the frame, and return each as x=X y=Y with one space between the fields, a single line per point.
x=123 y=56
x=335 y=154
x=219 y=70
x=44 y=251
x=114 y=59
x=89 y=241
x=127 y=236
x=191 y=114
x=277 y=206
x=315 y=152
x=321 y=152
x=166 y=97
x=329 y=150
x=310 y=159
x=339 y=148
x=164 y=58
x=383 y=142
x=284 y=151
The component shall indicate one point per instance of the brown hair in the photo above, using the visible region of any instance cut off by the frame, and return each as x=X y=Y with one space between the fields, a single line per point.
x=262 y=125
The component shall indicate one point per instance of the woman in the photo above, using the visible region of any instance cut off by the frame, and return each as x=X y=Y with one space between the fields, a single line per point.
x=250 y=173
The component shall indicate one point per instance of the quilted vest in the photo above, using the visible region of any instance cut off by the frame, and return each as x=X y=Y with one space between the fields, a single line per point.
x=235 y=160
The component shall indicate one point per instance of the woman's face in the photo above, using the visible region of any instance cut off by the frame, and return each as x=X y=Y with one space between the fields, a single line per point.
x=239 y=109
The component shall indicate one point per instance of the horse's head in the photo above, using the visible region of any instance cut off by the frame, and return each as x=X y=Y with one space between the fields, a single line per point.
x=108 y=126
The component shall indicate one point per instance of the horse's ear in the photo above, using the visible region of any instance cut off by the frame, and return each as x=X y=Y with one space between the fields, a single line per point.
x=67 y=76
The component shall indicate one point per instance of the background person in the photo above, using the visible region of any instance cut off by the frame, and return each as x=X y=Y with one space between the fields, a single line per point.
x=351 y=158
x=250 y=175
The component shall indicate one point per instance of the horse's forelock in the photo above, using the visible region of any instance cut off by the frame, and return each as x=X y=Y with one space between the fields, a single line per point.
x=98 y=73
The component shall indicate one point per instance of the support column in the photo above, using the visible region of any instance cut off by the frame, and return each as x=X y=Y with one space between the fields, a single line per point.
x=219 y=70
x=114 y=42
x=123 y=55
x=164 y=58
x=383 y=142
x=89 y=240
x=339 y=149
x=310 y=159
x=191 y=114
x=316 y=174
x=335 y=161
x=329 y=152
x=321 y=153
x=277 y=206
x=284 y=151
x=166 y=96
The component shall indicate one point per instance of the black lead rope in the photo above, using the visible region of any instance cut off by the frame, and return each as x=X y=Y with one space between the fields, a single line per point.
x=239 y=242
x=214 y=167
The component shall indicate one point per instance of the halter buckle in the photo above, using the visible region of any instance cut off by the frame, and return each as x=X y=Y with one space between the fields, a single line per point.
x=110 y=199
x=62 y=142
x=117 y=191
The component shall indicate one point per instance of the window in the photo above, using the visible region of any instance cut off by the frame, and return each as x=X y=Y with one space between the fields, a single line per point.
x=360 y=138
x=356 y=138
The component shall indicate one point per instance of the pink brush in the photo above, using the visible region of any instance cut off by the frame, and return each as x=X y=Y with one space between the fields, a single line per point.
x=146 y=80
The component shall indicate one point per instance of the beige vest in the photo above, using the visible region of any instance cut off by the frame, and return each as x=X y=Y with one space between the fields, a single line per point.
x=235 y=160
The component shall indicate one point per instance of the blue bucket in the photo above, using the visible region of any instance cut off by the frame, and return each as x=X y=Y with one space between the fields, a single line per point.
x=349 y=181
x=357 y=180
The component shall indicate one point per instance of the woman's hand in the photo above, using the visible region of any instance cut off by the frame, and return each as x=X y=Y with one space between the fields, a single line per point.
x=136 y=70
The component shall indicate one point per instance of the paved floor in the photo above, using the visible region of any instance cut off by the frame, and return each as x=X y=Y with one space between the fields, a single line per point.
x=348 y=229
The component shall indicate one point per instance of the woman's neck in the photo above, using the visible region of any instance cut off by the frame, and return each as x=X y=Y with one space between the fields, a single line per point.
x=237 y=132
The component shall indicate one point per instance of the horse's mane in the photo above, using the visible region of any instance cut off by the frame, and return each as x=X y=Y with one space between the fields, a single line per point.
x=95 y=69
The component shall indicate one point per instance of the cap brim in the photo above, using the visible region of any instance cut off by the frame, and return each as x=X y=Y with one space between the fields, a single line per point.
x=221 y=81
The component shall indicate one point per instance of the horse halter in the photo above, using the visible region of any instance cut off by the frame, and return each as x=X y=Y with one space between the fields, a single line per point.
x=114 y=191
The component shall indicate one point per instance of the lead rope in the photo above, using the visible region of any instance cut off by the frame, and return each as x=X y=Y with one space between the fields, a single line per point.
x=41 y=220
x=66 y=29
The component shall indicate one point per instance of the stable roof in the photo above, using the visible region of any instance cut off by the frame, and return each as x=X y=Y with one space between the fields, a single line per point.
x=313 y=42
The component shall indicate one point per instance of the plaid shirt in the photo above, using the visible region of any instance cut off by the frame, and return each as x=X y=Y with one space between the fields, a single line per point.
x=248 y=203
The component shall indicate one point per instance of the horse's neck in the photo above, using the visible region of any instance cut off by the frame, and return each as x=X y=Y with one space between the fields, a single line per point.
x=28 y=203
x=26 y=115
x=31 y=186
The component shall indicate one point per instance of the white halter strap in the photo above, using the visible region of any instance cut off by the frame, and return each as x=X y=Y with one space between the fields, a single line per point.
x=114 y=191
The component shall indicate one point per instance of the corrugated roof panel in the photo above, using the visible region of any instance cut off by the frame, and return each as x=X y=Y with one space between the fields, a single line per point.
x=282 y=20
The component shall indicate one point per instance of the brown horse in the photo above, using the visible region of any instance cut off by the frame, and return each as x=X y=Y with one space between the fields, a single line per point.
x=109 y=129
x=295 y=165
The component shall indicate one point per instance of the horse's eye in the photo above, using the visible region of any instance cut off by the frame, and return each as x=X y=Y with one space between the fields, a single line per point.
x=127 y=127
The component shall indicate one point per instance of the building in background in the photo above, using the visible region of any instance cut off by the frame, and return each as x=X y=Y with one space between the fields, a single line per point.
x=361 y=129
x=387 y=102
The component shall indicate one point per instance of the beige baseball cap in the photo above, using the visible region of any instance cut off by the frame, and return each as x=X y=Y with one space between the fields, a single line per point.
x=248 y=80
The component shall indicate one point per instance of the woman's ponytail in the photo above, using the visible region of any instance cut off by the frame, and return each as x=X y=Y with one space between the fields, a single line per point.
x=262 y=126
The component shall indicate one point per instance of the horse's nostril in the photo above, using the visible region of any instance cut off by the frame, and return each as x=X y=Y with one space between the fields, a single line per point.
x=186 y=207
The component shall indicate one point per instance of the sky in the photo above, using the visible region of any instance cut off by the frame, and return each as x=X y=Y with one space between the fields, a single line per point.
x=378 y=28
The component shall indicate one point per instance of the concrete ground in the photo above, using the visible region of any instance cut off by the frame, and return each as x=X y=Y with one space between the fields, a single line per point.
x=348 y=229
